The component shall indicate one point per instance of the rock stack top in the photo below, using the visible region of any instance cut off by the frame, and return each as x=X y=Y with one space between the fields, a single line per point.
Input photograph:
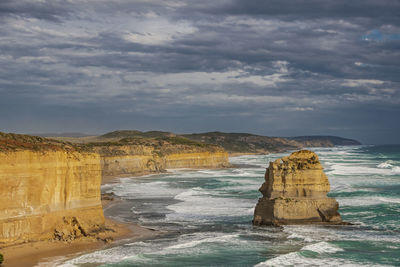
x=295 y=191
x=298 y=175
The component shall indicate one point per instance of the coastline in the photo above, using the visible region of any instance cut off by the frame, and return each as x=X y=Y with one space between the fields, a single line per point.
x=49 y=252
x=110 y=179
x=237 y=154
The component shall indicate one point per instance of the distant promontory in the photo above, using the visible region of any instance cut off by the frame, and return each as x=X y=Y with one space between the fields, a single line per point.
x=258 y=144
x=233 y=143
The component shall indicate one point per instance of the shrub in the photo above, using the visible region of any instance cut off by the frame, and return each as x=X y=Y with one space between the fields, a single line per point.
x=1 y=258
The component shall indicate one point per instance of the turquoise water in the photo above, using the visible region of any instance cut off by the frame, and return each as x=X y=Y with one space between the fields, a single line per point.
x=208 y=214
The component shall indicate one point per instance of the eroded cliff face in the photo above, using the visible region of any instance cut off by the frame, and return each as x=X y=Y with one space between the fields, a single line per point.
x=51 y=189
x=197 y=160
x=127 y=160
x=295 y=191
x=49 y=194
x=140 y=159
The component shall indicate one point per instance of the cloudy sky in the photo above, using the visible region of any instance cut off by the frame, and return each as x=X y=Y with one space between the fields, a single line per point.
x=271 y=67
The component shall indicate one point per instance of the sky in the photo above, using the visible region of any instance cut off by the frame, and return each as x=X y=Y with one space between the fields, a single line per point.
x=269 y=67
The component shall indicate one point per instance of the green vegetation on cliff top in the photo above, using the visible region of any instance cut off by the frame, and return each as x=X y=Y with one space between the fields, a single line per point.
x=244 y=142
x=241 y=142
x=335 y=140
x=160 y=146
x=251 y=143
x=133 y=133
x=166 y=141
x=17 y=142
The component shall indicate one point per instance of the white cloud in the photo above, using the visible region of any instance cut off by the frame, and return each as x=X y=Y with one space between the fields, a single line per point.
x=361 y=82
x=216 y=99
x=325 y=31
x=42 y=59
x=155 y=30
x=213 y=78
x=300 y=109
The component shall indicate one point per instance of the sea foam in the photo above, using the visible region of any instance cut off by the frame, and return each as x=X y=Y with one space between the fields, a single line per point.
x=323 y=249
x=385 y=165
x=215 y=206
x=198 y=205
x=188 y=241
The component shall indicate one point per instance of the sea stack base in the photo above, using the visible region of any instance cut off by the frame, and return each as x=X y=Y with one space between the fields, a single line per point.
x=295 y=191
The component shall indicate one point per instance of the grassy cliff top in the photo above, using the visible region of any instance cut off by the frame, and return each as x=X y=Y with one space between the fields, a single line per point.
x=245 y=142
x=134 y=133
x=232 y=142
x=160 y=145
x=166 y=142
x=10 y=142
x=16 y=142
x=334 y=140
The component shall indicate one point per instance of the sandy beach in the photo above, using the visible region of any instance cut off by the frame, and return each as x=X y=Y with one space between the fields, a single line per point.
x=48 y=253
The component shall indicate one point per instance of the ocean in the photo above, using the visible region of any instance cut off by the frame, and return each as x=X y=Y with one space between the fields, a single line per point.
x=207 y=215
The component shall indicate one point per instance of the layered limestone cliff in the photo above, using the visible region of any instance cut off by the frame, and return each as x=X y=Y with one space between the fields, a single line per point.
x=51 y=189
x=127 y=160
x=47 y=192
x=214 y=159
x=136 y=164
x=295 y=191
x=134 y=158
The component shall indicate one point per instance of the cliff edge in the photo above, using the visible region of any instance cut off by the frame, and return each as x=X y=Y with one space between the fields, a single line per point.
x=294 y=192
x=140 y=155
x=48 y=190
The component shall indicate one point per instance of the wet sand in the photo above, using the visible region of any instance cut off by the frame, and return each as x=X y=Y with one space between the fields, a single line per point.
x=48 y=253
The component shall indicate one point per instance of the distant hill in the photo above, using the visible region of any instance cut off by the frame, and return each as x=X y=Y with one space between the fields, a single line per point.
x=324 y=140
x=231 y=142
x=62 y=135
x=251 y=143
x=133 y=133
x=114 y=136
x=245 y=142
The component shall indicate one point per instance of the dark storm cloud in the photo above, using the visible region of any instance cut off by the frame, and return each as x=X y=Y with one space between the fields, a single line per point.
x=386 y=10
x=270 y=67
x=52 y=10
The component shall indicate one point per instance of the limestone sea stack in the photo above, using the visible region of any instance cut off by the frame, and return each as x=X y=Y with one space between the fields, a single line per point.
x=294 y=192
